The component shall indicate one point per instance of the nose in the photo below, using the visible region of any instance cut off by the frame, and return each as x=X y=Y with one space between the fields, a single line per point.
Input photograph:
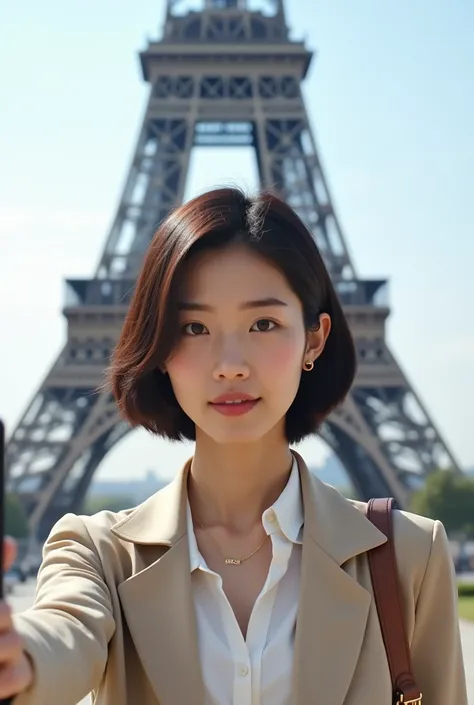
x=230 y=363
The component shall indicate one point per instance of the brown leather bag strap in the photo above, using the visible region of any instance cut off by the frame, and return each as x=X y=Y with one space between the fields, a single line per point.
x=386 y=587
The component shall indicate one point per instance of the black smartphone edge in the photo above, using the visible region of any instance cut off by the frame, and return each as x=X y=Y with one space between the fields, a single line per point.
x=2 y=502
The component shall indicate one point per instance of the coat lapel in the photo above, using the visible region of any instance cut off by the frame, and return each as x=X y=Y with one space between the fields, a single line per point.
x=334 y=607
x=157 y=600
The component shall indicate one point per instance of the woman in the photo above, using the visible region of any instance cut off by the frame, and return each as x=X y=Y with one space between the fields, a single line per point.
x=245 y=581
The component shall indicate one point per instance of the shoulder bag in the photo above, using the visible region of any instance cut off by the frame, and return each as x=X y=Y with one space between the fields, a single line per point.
x=387 y=593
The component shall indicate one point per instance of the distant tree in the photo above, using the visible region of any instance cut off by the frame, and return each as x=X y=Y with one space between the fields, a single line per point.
x=348 y=492
x=114 y=503
x=16 y=521
x=449 y=498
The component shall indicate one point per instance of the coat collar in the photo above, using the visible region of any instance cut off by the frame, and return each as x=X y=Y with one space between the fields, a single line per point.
x=334 y=523
x=333 y=607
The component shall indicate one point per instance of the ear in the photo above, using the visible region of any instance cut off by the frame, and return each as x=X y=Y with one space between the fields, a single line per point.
x=316 y=338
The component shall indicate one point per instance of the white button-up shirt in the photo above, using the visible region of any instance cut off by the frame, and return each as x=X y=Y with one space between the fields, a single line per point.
x=256 y=670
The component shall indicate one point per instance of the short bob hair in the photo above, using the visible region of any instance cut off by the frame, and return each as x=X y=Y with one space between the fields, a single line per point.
x=217 y=219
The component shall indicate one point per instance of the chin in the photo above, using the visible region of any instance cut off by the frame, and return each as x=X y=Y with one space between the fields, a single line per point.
x=251 y=433
x=236 y=438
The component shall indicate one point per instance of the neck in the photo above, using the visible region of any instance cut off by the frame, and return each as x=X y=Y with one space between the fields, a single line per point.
x=232 y=486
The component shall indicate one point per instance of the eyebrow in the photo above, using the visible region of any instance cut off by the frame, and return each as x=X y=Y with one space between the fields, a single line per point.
x=258 y=303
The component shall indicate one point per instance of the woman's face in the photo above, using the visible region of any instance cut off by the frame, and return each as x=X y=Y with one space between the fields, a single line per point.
x=243 y=344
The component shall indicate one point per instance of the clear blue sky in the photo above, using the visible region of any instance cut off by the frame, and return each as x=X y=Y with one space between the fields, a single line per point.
x=391 y=100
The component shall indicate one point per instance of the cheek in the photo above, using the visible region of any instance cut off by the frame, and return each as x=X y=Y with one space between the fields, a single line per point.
x=284 y=356
x=184 y=365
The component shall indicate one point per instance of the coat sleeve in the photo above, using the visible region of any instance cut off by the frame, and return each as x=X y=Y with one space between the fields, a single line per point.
x=436 y=647
x=67 y=631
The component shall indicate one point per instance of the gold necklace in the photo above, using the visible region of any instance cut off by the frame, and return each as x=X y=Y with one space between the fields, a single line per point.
x=234 y=561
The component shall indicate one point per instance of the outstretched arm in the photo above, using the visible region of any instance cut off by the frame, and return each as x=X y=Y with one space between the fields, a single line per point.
x=67 y=631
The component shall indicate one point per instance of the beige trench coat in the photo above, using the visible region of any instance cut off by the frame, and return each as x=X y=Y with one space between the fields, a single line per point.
x=114 y=613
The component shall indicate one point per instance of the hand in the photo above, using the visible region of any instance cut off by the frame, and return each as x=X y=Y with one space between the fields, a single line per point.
x=16 y=673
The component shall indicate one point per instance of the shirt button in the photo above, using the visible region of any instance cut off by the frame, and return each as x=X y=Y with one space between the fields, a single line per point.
x=271 y=516
x=244 y=671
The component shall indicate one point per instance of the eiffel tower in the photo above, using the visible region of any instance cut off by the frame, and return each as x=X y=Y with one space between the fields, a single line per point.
x=225 y=73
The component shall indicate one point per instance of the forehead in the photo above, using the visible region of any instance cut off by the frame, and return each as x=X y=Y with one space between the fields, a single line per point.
x=234 y=272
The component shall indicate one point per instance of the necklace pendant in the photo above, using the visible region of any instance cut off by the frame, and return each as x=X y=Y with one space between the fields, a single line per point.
x=232 y=561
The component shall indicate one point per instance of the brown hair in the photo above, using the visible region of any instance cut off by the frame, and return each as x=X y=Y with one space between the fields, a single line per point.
x=216 y=219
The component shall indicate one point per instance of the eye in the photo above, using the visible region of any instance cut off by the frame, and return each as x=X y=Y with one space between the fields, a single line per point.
x=263 y=325
x=194 y=328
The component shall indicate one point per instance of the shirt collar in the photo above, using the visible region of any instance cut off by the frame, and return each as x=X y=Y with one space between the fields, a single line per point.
x=288 y=509
x=286 y=514
x=195 y=559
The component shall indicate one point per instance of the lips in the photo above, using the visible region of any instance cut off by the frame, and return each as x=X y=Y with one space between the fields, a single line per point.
x=234 y=403
x=233 y=398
